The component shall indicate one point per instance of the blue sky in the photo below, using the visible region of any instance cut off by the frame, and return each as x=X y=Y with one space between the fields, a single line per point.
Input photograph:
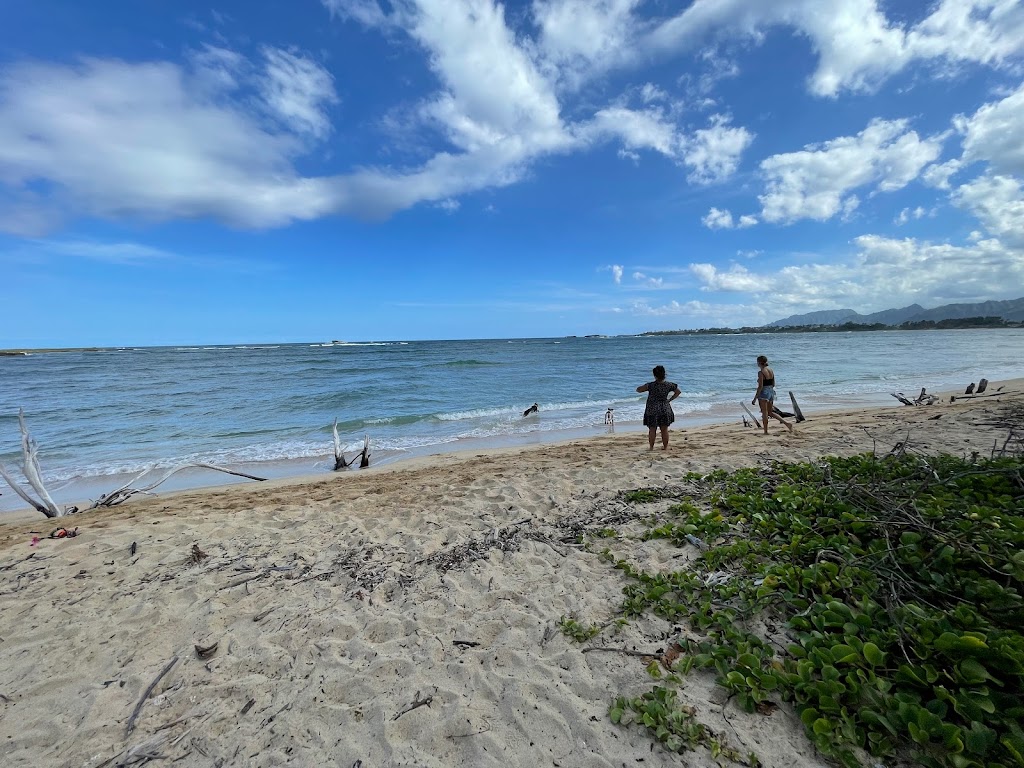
x=352 y=169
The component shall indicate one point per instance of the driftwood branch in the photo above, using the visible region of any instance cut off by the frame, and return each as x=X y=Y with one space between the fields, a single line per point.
x=32 y=473
x=126 y=491
x=417 y=702
x=145 y=694
x=340 y=462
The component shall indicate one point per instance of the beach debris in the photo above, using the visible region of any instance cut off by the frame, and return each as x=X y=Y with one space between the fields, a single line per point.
x=132 y=549
x=33 y=474
x=466 y=643
x=695 y=541
x=758 y=423
x=145 y=695
x=982 y=384
x=206 y=652
x=197 y=555
x=417 y=703
x=63 y=533
x=248 y=705
x=796 y=408
x=922 y=399
x=970 y=389
x=45 y=504
x=340 y=462
x=126 y=491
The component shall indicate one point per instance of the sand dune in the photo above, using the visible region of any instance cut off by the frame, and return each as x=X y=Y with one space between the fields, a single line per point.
x=339 y=602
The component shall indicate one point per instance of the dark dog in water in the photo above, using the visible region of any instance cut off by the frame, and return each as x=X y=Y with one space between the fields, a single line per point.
x=532 y=409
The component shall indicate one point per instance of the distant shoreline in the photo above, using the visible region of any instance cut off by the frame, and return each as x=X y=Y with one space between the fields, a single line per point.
x=929 y=325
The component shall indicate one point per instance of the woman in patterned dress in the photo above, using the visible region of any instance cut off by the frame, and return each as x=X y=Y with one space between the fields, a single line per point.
x=658 y=413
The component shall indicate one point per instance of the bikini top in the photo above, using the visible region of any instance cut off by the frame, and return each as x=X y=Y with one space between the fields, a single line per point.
x=766 y=382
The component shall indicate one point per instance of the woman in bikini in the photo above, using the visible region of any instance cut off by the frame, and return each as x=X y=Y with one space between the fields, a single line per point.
x=765 y=394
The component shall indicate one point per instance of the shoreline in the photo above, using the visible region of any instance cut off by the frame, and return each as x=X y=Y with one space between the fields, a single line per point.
x=337 y=601
x=86 y=488
x=481 y=448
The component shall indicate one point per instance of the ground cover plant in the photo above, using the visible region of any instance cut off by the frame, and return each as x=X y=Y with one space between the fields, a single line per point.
x=881 y=596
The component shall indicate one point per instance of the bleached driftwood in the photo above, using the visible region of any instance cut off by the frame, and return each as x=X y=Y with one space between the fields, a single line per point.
x=922 y=399
x=340 y=462
x=32 y=473
x=45 y=504
x=126 y=491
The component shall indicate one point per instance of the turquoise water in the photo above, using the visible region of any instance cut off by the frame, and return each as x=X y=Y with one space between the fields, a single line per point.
x=100 y=415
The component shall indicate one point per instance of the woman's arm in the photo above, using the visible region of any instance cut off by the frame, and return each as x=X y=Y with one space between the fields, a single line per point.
x=675 y=393
x=642 y=388
x=760 y=383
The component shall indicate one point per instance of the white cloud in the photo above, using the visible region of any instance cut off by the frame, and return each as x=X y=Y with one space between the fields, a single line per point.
x=637 y=129
x=713 y=153
x=116 y=139
x=911 y=213
x=649 y=92
x=737 y=278
x=722 y=219
x=688 y=308
x=297 y=90
x=856 y=45
x=718 y=219
x=993 y=134
x=366 y=12
x=580 y=37
x=882 y=273
x=813 y=183
x=998 y=203
x=616 y=270
x=938 y=175
x=648 y=281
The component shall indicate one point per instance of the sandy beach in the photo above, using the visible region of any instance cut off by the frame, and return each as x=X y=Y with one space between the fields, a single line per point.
x=400 y=616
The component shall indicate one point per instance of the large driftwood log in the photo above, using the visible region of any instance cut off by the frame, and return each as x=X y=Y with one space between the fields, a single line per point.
x=340 y=462
x=45 y=504
x=32 y=473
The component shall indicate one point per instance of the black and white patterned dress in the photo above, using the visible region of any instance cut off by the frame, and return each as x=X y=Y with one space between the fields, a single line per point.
x=658 y=412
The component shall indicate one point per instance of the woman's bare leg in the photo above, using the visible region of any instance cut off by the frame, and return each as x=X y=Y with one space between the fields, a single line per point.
x=664 y=438
x=765 y=406
x=651 y=434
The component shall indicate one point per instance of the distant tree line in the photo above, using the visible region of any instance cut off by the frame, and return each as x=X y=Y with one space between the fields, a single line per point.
x=919 y=325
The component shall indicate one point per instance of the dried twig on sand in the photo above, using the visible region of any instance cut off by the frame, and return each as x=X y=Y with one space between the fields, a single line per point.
x=145 y=694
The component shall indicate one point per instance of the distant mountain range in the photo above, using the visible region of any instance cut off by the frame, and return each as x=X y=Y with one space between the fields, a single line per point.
x=1012 y=309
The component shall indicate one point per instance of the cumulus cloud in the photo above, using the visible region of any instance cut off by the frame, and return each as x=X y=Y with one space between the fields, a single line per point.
x=993 y=134
x=998 y=203
x=814 y=183
x=882 y=273
x=713 y=153
x=616 y=270
x=718 y=219
x=722 y=219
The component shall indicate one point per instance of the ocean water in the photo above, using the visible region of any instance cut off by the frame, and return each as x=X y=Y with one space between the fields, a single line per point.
x=99 y=417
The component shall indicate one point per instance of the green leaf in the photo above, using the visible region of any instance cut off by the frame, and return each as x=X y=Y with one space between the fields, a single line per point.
x=973 y=671
x=875 y=657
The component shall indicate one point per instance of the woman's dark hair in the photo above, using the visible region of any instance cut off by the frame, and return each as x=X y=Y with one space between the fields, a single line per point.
x=762 y=360
x=659 y=372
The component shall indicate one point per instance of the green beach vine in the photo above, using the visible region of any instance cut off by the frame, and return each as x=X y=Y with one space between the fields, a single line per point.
x=879 y=596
